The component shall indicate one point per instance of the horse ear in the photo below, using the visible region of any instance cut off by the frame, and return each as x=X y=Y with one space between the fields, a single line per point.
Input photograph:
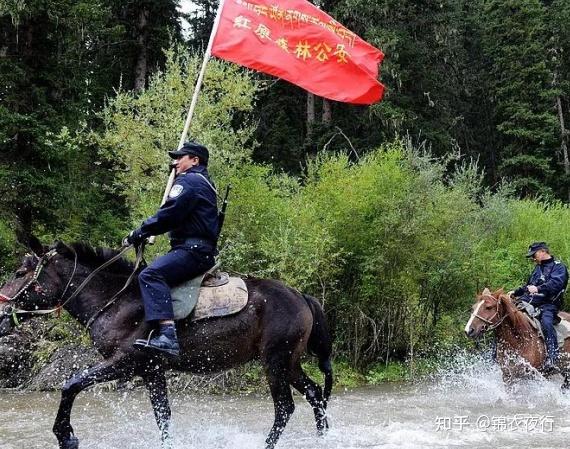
x=486 y=292
x=498 y=293
x=63 y=249
x=36 y=246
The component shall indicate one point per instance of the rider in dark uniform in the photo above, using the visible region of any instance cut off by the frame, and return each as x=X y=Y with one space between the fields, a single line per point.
x=190 y=215
x=545 y=290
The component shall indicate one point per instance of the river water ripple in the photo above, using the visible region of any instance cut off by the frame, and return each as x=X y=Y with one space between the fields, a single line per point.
x=463 y=408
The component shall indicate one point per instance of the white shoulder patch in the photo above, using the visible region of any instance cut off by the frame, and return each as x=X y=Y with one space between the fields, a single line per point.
x=175 y=191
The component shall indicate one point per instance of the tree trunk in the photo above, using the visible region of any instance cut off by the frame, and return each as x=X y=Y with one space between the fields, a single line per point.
x=142 y=39
x=563 y=141
x=327 y=111
x=310 y=112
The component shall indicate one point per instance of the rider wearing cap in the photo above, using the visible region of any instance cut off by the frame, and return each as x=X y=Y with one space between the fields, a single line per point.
x=190 y=216
x=545 y=290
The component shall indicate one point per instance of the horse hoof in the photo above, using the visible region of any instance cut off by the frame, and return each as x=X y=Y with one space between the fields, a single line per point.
x=71 y=443
x=167 y=444
x=322 y=428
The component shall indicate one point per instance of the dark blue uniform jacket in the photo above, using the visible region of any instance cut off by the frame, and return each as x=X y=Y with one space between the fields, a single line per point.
x=191 y=210
x=551 y=277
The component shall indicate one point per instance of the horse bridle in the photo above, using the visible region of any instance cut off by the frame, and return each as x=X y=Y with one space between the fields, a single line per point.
x=492 y=326
x=44 y=260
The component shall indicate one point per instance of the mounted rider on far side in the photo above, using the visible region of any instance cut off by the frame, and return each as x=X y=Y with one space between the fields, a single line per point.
x=544 y=290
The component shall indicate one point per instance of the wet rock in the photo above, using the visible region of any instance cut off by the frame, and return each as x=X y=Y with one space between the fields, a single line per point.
x=15 y=360
x=61 y=365
x=42 y=353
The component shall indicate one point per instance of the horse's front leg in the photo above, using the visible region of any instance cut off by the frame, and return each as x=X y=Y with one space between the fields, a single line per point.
x=107 y=370
x=155 y=382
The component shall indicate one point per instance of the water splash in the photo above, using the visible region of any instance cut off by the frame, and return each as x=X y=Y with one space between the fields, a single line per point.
x=480 y=381
x=389 y=416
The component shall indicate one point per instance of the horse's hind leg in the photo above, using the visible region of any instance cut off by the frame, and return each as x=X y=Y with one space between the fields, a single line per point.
x=566 y=384
x=102 y=372
x=313 y=394
x=565 y=372
x=155 y=382
x=277 y=377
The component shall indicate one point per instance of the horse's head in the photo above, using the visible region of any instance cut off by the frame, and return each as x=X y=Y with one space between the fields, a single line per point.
x=36 y=284
x=488 y=313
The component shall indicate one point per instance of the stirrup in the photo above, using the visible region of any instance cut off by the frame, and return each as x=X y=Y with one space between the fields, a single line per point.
x=146 y=345
x=139 y=341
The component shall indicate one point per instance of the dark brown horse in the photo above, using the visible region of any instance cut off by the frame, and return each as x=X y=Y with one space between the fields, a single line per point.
x=520 y=347
x=277 y=326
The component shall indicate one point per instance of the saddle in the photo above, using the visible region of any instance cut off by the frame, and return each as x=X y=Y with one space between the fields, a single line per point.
x=532 y=314
x=212 y=294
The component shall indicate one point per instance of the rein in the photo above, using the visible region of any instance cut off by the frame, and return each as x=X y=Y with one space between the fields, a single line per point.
x=44 y=261
x=140 y=255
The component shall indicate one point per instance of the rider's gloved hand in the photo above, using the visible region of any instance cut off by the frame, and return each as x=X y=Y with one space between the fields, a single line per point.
x=134 y=238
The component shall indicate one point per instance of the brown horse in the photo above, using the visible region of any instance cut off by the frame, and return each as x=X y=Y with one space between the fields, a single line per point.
x=521 y=351
x=277 y=326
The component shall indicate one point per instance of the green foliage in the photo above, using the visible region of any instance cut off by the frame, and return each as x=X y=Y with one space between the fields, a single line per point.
x=394 y=246
x=515 y=39
x=391 y=372
x=401 y=248
x=59 y=59
x=141 y=128
x=8 y=247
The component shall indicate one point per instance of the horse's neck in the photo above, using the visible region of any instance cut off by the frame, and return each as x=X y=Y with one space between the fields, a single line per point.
x=93 y=296
x=512 y=334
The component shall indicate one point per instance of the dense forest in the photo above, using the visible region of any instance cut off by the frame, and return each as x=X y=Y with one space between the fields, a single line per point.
x=393 y=215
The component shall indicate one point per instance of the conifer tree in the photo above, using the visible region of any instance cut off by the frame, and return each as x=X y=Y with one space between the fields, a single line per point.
x=515 y=43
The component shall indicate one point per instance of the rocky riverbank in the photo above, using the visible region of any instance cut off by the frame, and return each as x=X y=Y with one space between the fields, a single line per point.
x=41 y=354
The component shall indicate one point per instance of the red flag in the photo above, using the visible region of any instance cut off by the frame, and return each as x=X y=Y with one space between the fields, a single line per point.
x=298 y=42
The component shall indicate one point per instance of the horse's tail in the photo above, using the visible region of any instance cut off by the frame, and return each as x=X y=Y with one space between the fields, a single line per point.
x=320 y=344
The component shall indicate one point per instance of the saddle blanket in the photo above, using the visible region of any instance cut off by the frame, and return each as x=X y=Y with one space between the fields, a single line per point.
x=562 y=328
x=208 y=302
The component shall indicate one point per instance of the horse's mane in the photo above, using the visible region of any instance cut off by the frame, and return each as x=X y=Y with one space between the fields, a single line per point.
x=95 y=257
x=517 y=318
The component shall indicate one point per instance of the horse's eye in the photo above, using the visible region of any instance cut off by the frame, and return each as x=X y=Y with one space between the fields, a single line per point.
x=20 y=273
x=488 y=307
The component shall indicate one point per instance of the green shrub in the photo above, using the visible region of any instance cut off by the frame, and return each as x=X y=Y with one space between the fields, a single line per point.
x=394 y=246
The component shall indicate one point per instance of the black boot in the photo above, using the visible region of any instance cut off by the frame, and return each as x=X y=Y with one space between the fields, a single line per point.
x=164 y=343
x=550 y=368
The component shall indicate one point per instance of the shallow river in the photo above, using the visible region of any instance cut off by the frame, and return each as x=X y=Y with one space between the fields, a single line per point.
x=464 y=408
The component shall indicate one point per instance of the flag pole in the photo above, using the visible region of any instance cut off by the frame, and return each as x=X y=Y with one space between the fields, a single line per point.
x=197 y=88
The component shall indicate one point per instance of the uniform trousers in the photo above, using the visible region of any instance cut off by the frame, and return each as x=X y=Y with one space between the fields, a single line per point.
x=180 y=264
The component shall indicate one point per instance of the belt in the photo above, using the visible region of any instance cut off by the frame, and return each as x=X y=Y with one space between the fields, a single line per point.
x=193 y=241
